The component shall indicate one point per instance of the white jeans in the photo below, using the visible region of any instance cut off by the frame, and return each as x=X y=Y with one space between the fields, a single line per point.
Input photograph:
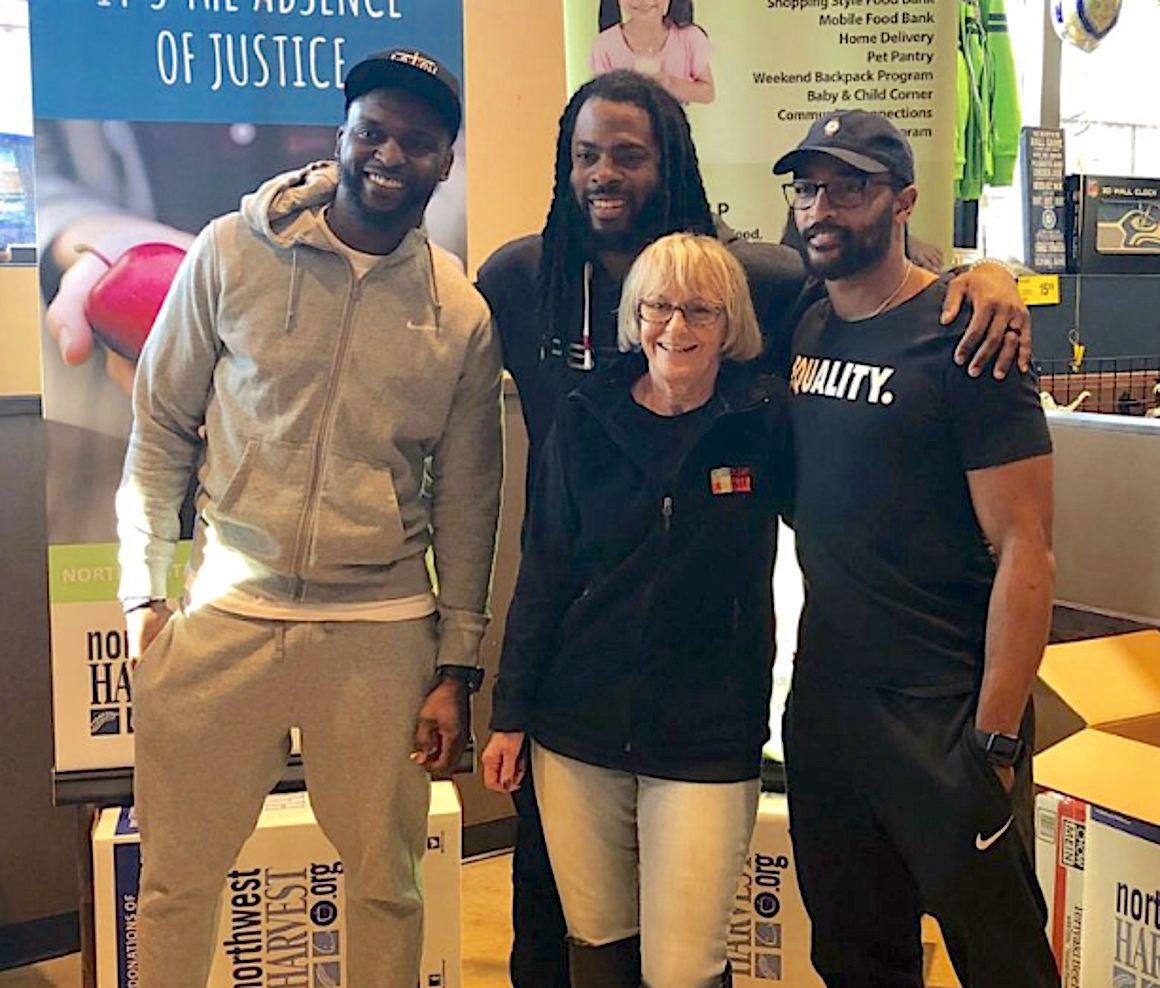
x=635 y=854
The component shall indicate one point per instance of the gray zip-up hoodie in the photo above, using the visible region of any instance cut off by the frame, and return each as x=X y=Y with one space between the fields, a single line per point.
x=347 y=425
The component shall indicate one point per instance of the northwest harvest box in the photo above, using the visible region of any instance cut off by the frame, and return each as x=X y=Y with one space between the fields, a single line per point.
x=1100 y=706
x=283 y=914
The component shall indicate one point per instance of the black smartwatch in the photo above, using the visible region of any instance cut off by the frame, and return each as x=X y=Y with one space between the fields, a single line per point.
x=469 y=676
x=1003 y=750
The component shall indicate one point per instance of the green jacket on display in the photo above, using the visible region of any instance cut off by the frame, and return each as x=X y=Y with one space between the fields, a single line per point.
x=987 y=137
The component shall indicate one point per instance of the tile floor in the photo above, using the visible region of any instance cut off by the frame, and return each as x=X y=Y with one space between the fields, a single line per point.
x=486 y=938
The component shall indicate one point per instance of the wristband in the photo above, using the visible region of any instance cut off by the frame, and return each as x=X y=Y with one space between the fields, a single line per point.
x=142 y=604
x=1001 y=749
x=998 y=263
x=469 y=676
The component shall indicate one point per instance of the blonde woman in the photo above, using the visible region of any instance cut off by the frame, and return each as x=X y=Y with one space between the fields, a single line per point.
x=638 y=650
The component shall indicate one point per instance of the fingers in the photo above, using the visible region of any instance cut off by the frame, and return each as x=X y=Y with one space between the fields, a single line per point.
x=451 y=743
x=951 y=305
x=65 y=317
x=1025 y=346
x=503 y=764
x=988 y=326
x=427 y=743
x=1007 y=353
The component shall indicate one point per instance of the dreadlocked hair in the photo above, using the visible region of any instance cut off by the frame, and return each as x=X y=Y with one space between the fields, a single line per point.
x=680 y=191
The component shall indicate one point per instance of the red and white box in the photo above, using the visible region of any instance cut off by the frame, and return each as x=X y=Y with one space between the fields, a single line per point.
x=1061 y=826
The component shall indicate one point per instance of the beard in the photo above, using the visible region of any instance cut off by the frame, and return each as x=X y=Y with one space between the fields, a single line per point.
x=351 y=180
x=644 y=228
x=858 y=250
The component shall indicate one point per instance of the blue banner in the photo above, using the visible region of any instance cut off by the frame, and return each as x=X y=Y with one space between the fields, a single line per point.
x=215 y=61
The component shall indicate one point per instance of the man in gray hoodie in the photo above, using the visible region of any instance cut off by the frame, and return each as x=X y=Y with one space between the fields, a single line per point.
x=333 y=381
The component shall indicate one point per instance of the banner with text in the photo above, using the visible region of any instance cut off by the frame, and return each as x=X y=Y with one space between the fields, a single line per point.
x=777 y=65
x=151 y=118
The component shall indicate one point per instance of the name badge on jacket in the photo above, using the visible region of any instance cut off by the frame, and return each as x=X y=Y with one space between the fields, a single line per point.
x=731 y=480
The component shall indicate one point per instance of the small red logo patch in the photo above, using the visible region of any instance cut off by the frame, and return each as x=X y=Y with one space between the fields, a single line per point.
x=731 y=480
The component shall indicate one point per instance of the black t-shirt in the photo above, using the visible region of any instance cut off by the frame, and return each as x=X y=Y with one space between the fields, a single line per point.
x=663 y=440
x=898 y=573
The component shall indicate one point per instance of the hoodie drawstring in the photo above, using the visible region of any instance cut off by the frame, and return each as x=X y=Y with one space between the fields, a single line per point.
x=434 y=287
x=292 y=297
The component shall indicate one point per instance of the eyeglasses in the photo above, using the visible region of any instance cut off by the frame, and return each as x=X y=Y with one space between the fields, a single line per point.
x=844 y=193
x=696 y=313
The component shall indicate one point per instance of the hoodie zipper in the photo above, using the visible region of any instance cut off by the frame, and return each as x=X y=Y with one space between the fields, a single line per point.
x=325 y=430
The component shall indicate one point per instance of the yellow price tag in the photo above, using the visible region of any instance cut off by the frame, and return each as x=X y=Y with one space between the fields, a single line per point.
x=1039 y=289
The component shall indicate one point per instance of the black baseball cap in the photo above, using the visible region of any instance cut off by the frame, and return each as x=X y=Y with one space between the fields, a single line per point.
x=414 y=71
x=867 y=141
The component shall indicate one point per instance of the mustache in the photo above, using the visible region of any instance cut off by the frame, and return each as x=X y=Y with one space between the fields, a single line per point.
x=604 y=190
x=824 y=227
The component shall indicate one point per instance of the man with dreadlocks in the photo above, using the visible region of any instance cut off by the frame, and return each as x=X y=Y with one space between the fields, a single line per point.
x=626 y=174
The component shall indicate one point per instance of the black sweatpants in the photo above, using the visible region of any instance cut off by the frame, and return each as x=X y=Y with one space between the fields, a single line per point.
x=895 y=811
x=540 y=946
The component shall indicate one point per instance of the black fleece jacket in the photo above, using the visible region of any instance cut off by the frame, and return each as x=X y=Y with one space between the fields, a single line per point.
x=640 y=636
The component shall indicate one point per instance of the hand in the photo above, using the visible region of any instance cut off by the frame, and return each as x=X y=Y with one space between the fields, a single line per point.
x=1006 y=775
x=143 y=625
x=443 y=728
x=504 y=764
x=1000 y=320
x=925 y=255
x=65 y=317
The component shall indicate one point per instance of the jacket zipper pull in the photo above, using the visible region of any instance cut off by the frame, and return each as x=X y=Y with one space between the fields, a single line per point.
x=667 y=511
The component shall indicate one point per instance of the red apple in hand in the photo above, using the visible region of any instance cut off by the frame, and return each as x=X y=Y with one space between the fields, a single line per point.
x=122 y=305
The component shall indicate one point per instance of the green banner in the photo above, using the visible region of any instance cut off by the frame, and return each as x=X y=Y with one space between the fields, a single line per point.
x=79 y=574
x=775 y=66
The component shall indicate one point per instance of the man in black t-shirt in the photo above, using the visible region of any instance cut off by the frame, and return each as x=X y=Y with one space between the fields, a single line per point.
x=923 y=518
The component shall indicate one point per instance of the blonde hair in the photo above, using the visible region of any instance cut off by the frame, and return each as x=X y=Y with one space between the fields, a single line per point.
x=700 y=266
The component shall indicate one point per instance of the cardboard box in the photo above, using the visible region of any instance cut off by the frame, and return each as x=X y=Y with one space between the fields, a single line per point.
x=1121 y=927
x=287 y=860
x=769 y=933
x=1113 y=224
x=1060 y=854
x=1099 y=704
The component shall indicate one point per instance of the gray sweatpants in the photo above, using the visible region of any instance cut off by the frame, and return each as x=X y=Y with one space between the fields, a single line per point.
x=214 y=698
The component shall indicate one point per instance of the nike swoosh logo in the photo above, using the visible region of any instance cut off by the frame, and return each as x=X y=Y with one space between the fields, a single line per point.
x=419 y=325
x=982 y=843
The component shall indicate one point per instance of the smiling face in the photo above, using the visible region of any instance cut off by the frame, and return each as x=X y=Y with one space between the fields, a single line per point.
x=393 y=151
x=643 y=9
x=615 y=173
x=845 y=241
x=680 y=352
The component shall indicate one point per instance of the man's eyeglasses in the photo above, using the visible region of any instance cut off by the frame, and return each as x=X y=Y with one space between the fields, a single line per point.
x=844 y=193
x=696 y=313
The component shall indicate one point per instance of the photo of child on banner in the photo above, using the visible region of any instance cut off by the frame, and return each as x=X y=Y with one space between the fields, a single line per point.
x=657 y=38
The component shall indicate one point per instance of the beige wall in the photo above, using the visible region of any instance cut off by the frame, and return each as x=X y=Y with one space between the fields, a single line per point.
x=515 y=94
x=19 y=331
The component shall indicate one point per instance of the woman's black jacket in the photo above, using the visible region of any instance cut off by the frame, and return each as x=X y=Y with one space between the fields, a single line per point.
x=641 y=632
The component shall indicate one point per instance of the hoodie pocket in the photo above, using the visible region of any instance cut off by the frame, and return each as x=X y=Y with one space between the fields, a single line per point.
x=358 y=521
x=259 y=510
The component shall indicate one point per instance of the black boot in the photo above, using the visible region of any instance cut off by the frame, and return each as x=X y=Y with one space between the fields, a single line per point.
x=613 y=965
